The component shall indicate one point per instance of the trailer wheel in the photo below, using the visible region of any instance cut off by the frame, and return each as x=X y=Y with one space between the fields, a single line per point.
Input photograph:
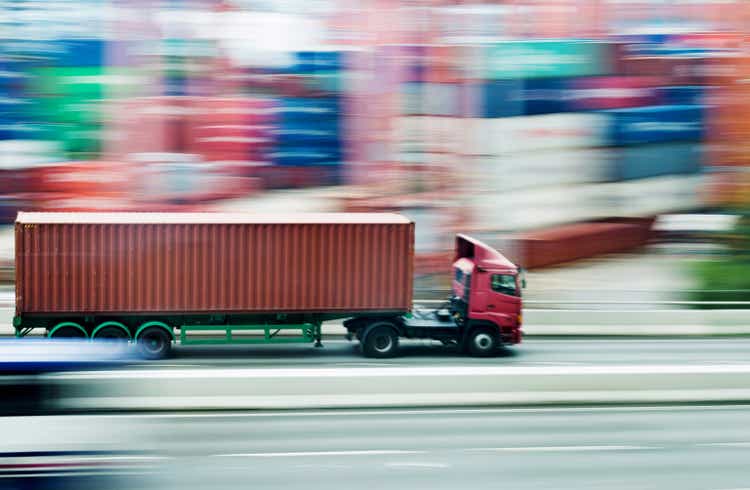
x=482 y=342
x=111 y=331
x=67 y=330
x=381 y=341
x=154 y=343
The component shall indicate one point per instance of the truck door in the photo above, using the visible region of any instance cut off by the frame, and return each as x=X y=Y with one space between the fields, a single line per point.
x=504 y=297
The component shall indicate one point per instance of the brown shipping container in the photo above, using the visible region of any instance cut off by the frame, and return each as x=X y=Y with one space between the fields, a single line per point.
x=144 y=263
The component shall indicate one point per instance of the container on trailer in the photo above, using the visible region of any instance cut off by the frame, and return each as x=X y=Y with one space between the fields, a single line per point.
x=158 y=263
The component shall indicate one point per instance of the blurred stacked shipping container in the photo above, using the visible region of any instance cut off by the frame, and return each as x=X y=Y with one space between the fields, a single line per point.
x=539 y=124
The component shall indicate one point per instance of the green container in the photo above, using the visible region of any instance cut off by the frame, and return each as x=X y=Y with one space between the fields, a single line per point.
x=68 y=110
x=545 y=58
x=78 y=139
x=85 y=82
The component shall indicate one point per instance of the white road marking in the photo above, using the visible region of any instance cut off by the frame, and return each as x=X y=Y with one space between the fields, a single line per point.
x=373 y=452
x=415 y=465
x=724 y=444
x=540 y=449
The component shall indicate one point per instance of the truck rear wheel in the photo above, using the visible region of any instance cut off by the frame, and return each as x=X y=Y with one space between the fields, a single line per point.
x=380 y=342
x=482 y=342
x=154 y=343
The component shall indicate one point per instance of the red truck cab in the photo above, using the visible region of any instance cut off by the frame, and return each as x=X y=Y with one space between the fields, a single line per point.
x=486 y=289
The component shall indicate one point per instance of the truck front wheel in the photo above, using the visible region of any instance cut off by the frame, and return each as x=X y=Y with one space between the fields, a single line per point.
x=380 y=342
x=482 y=342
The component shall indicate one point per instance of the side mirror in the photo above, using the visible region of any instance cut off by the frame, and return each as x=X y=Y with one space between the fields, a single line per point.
x=522 y=273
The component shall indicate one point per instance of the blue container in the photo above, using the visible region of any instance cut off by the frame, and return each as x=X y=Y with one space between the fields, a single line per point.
x=318 y=61
x=684 y=95
x=58 y=53
x=655 y=124
x=15 y=108
x=175 y=86
x=305 y=156
x=544 y=96
x=13 y=78
x=22 y=131
x=312 y=135
x=82 y=52
x=501 y=98
x=307 y=109
x=642 y=162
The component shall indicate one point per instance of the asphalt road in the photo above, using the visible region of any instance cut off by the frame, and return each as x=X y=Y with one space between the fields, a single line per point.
x=690 y=448
x=533 y=352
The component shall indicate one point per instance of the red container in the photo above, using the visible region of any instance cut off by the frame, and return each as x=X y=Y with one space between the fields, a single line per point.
x=567 y=243
x=146 y=125
x=230 y=128
x=157 y=263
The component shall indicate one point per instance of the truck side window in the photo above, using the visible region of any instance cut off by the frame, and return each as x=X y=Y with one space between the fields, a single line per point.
x=504 y=284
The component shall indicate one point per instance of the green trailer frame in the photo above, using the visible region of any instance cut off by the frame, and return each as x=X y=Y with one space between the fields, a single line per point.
x=308 y=332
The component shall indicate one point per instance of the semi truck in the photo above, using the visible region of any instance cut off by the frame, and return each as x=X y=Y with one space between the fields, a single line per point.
x=222 y=278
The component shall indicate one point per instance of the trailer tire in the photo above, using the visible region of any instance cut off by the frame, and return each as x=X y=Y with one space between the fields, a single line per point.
x=154 y=343
x=67 y=330
x=380 y=341
x=482 y=342
x=111 y=331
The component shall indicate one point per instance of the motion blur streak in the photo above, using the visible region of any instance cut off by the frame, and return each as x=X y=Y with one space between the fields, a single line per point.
x=601 y=145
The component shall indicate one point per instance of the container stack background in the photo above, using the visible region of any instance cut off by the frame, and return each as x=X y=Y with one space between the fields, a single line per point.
x=523 y=122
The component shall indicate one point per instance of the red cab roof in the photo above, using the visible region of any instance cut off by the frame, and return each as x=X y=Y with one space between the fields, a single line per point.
x=481 y=254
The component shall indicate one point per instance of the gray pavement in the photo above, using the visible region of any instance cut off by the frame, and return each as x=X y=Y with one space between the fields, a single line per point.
x=533 y=352
x=690 y=448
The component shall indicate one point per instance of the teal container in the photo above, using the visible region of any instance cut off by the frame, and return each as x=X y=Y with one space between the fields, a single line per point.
x=546 y=58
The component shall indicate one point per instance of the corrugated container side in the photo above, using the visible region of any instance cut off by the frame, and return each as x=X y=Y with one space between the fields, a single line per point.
x=566 y=243
x=202 y=268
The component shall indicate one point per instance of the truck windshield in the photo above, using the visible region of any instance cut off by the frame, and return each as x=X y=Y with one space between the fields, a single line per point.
x=504 y=284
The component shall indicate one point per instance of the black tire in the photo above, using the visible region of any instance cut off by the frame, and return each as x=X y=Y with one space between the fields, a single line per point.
x=67 y=333
x=482 y=342
x=154 y=343
x=112 y=334
x=381 y=342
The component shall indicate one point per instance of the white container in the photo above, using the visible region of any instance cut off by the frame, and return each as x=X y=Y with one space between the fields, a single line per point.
x=535 y=133
x=534 y=170
x=16 y=154
x=430 y=134
x=654 y=196
x=534 y=208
